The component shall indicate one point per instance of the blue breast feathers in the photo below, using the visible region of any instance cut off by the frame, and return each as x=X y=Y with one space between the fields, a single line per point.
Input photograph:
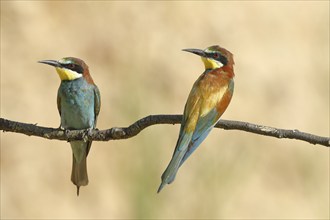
x=77 y=104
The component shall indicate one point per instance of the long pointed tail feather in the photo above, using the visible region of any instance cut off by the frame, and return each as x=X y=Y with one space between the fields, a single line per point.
x=79 y=175
x=171 y=170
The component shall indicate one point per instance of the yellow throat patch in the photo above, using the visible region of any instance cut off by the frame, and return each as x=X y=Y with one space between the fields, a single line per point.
x=66 y=74
x=211 y=64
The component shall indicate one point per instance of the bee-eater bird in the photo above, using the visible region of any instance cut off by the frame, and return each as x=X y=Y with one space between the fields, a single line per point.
x=78 y=102
x=207 y=101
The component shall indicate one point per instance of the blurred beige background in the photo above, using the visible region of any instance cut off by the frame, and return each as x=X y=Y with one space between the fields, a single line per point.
x=134 y=53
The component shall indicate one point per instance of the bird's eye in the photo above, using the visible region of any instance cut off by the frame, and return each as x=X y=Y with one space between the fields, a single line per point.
x=216 y=55
x=74 y=67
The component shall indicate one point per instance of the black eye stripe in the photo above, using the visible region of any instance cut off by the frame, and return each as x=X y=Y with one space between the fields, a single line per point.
x=223 y=60
x=74 y=67
x=219 y=57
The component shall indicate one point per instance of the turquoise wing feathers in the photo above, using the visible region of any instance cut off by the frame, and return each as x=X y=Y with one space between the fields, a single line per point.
x=97 y=103
x=203 y=128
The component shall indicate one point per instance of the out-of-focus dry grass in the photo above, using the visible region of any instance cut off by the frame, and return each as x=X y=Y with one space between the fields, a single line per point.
x=133 y=50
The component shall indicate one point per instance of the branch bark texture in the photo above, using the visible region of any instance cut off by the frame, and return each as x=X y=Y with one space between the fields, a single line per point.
x=117 y=133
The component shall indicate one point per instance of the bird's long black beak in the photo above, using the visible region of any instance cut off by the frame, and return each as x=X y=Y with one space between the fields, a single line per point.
x=50 y=62
x=196 y=51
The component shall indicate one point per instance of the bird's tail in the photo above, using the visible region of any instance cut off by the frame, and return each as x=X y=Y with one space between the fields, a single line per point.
x=171 y=170
x=79 y=175
x=79 y=167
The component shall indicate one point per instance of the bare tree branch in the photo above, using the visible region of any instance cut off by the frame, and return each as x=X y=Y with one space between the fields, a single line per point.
x=117 y=133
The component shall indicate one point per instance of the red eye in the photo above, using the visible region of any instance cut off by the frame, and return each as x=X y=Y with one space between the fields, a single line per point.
x=216 y=55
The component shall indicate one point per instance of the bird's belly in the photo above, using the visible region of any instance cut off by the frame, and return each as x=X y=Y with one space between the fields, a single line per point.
x=77 y=110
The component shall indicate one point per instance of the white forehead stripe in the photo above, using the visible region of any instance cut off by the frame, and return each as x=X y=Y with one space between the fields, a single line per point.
x=64 y=61
x=207 y=50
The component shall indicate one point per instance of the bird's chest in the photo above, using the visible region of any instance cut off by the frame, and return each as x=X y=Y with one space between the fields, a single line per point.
x=212 y=89
x=212 y=86
x=76 y=105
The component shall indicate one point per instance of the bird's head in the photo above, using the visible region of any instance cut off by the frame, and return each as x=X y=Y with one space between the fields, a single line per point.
x=214 y=57
x=70 y=68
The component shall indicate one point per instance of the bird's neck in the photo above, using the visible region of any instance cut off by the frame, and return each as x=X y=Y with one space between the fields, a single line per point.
x=88 y=78
x=227 y=70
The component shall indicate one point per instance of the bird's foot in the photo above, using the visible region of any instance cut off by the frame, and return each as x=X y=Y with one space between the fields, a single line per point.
x=61 y=127
x=87 y=134
x=66 y=131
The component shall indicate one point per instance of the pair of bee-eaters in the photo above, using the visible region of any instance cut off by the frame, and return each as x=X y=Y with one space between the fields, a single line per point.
x=78 y=102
